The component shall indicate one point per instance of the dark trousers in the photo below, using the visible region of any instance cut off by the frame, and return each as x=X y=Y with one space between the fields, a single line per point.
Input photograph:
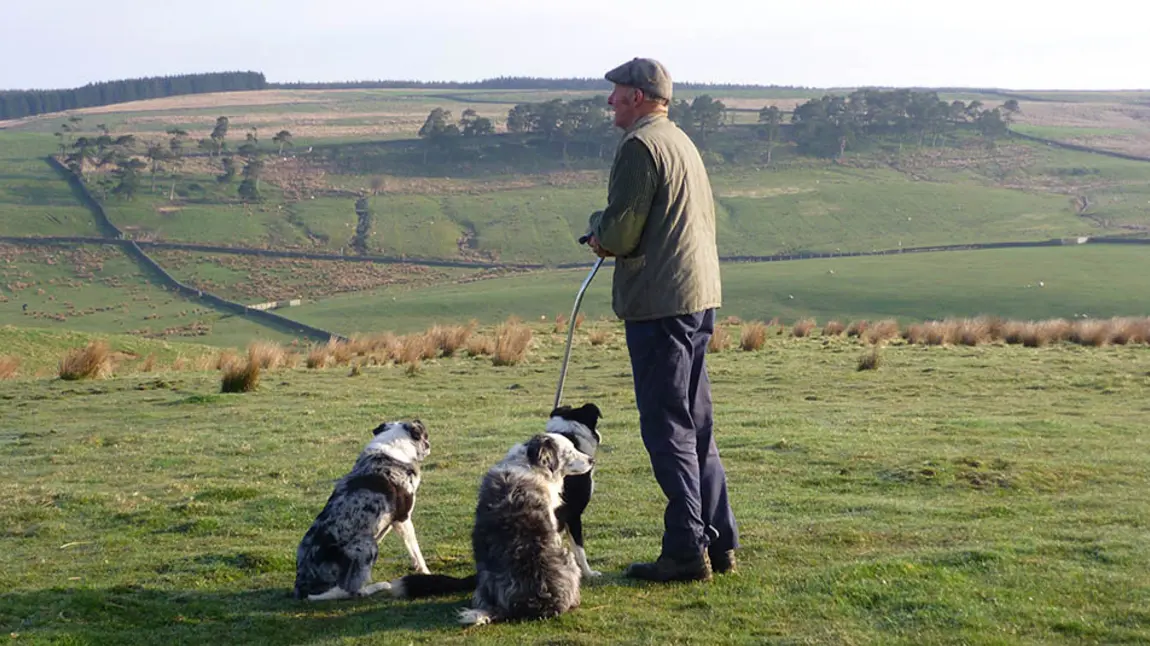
x=673 y=395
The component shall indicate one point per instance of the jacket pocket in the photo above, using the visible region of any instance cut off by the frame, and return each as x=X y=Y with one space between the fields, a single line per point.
x=631 y=286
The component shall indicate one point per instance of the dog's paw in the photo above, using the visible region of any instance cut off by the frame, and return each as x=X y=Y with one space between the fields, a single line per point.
x=591 y=574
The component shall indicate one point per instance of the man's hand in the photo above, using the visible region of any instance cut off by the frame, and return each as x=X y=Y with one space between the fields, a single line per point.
x=599 y=250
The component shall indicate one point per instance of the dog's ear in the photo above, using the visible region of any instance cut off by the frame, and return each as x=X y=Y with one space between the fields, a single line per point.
x=543 y=452
x=416 y=429
x=379 y=429
x=593 y=411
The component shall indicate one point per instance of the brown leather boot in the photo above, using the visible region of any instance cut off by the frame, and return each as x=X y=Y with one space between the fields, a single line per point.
x=723 y=562
x=666 y=568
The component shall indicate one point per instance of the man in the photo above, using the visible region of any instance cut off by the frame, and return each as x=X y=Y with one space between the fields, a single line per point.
x=659 y=225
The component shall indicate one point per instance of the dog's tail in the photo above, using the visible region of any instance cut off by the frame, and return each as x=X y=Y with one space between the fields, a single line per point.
x=417 y=586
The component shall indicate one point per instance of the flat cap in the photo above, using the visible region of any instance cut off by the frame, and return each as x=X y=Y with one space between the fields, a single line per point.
x=646 y=74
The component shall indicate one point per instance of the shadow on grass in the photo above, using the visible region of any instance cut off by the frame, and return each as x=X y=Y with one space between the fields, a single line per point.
x=129 y=615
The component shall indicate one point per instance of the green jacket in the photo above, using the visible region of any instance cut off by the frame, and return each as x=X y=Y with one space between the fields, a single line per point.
x=660 y=224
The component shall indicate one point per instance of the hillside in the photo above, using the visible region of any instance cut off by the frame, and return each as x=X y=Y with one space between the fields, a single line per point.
x=353 y=178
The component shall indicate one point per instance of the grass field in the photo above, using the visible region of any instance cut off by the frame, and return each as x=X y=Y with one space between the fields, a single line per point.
x=99 y=289
x=35 y=200
x=1101 y=281
x=982 y=495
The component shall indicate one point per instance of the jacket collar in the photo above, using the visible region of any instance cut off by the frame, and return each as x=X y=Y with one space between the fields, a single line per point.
x=645 y=120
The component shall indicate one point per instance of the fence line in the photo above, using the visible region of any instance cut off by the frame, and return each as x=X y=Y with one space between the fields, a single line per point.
x=160 y=275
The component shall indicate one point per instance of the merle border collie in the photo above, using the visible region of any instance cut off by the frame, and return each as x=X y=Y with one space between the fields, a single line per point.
x=335 y=558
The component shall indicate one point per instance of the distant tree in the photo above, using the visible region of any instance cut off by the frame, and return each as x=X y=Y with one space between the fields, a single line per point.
x=249 y=188
x=991 y=124
x=128 y=176
x=157 y=156
x=473 y=125
x=438 y=130
x=283 y=138
x=175 y=156
x=1009 y=110
x=519 y=118
x=229 y=174
x=771 y=119
x=709 y=114
x=219 y=134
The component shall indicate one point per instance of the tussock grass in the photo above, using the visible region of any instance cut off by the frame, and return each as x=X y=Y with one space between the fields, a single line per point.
x=881 y=332
x=94 y=361
x=450 y=339
x=269 y=355
x=803 y=328
x=242 y=376
x=870 y=360
x=720 y=339
x=512 y=340
x=318 y=357
x=480 y=346
x=833 y=328
x=599 y=336
x=857 y=328
x=753 y=337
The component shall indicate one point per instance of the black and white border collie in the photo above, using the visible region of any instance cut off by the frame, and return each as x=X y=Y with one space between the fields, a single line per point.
x=523 y=567
x=335 y=558
x=580 y=426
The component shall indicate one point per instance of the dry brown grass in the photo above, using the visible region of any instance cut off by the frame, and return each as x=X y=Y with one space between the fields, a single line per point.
x=1012 y=331
x=560 y=323
x=720 y=339
x=857 y=328
x=732 y=321
x=226 y=358
x=241 y=376
x=450 y=339
x=93 y=361
x=414 y=348
x=9 y=366
x=881 y=332
x=753 y=337
x=974 y=332
x=870 y=360
x=512 y=339
x=599 y=336
x=833 y=328
x=1094 y=333
x=802 y=328
x=269 y=355
x=480 y=346
x=318 y=357
x=1130 y=330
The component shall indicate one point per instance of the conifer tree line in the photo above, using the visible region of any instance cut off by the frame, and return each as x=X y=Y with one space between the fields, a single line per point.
x=16 y=104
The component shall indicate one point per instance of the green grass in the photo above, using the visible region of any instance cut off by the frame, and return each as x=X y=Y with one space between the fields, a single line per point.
x=1101 y=281
x=807 y=206
x=954 y=496
x=40 y=350
x=1069 y=132
x=99 y=289
x=34 y=199
x=865 y=210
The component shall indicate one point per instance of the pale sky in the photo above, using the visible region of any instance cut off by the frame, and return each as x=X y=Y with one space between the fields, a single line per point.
x=1019 y=44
